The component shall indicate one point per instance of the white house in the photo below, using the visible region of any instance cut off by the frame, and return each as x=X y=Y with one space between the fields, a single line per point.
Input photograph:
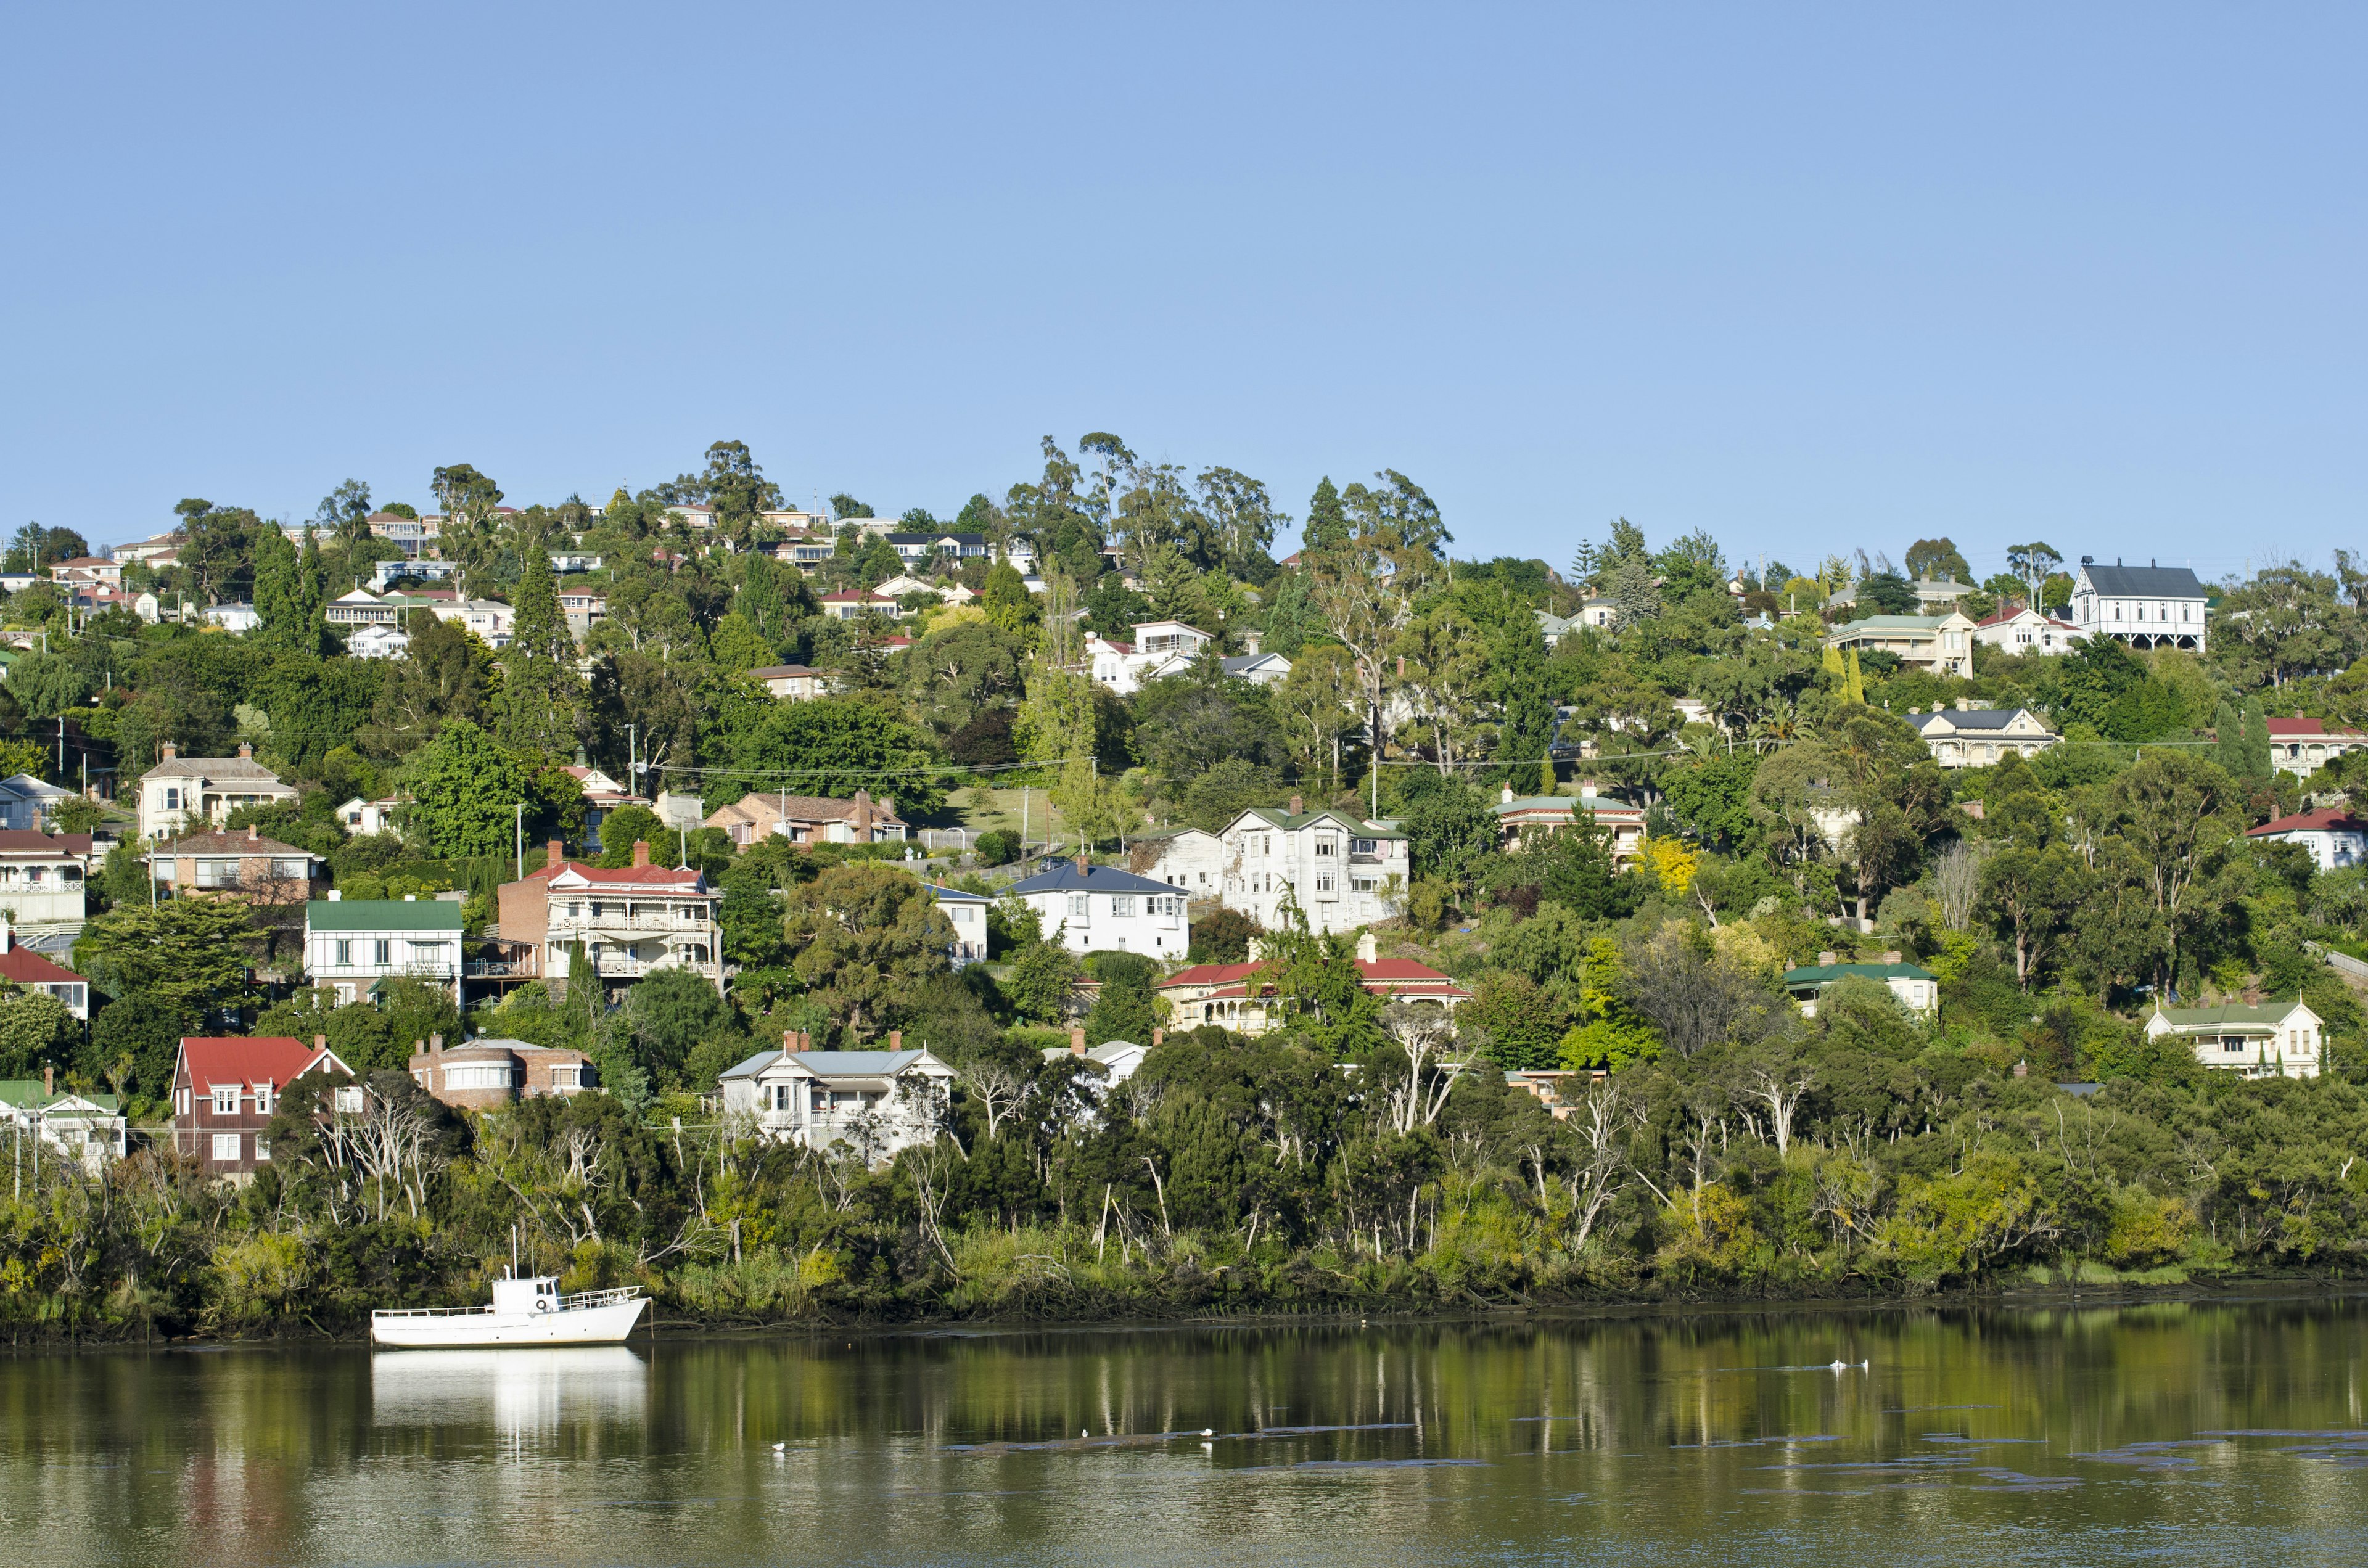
x=1124 y=667
x=2302 y=746
x=235 y=618
x=2268 y=1039
x=2018 y=629
x=791 y=683
x=88 y=1128
x=30 y=803
x=354 y=944
x=967 y=913
x=42 y=878
x=364 y=818
x=1967 y=736
x=876 y=1102
x=362 y=608
x=1099 y=908
x=1344 y=873
x=378 y=642
x=1918 y=990
x=2147 y=607
x=2335 y=837
x=1519 y=816
x=181 y=792
x=1941 y=645
x=1118 y=1058
x=491 y=619
x=21 y=966
x=427 y=570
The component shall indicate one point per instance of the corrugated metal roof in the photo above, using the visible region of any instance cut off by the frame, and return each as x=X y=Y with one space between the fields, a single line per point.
x=382 y=914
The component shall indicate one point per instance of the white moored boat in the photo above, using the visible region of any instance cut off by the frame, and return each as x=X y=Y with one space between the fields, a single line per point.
x=525 y=1312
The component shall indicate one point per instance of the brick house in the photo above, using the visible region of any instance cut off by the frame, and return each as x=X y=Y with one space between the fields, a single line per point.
x=811 y=819
x=244 y=864
x=632 y=920
x=225 y=1089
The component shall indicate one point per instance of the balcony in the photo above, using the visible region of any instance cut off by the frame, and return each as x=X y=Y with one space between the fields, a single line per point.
x=618 y=920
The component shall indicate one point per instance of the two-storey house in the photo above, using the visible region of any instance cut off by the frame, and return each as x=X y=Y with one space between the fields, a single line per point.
x=21 y=966
x=1243 y=997
x=632 y=921
x=242 y=865
x=1967 y=736
x=225 y=1089
x=1521 y=816
x=41 y=877
x=602 y=795
x=182 y=791
x=966 y=913
x=1100 y=908
x=791 y=683
x=2260 y=1040
x=1941 y=644
x=487 y=1073
x=2303 y=746
x=1342 y=872
x=351 y=945
x=1124 y=667
x=2335 y=838
x=2147 y=607
x=2018 y=629
x=878 y=1103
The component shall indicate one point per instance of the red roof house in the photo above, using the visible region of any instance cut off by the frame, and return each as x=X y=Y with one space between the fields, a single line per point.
x=225 y=1089
x=2303 y=746
x=1237 y=997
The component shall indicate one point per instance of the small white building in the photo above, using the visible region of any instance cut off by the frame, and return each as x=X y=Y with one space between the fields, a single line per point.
x=1101 y=908
x=1118 y=1058
x=378 y=642
x=1966 y=736
x=425 y=570
x=791 y=683
x=1344 y=873
x=2335 y=838
x=43 y=878
x=364 y=819
x=89 y=1129
x=878 y=1103
x=30 y=803
x=180 y=792
x=2018 y=629
x=352 y=945
x=2266 y=1040
x=2147 y=607
x=235 y=618
x=967 y=913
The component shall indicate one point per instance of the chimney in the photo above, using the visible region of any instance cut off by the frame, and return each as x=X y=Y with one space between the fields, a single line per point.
x=49 y=1079
x=1826 y=958
x=1964 y=705
x=555 y=854
x=2022 y=1069
x=1158 y=1037
x=641 y=853
x=1401 y=666
x=1588 y=789
x=1085 y=867
x=1368 y=951
x=320 y=1042
x=789 y=1040
x=246 y=751
x=1506 y=796
x=863 y=816
x=1891 y=957
x=334 y=896
x=168 y=751
x=1076 y=1040
x=1298 y=805
x=253 y=837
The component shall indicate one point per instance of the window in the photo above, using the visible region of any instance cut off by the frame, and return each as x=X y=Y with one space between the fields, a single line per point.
x=263 y=1099
x=1324 y=846
x=263 y=1150
x=1122 y=906
x=1080 y=905
x=382 y=951
x=347 y=1098
x=287 y=871
x=180 y=1102
x=33 y=875
x=172 y=799
x=344 y=951
x=1324 y=880
x=1363 y=884
x=225 y=1147
x=226 y=1101
x=1364 y=846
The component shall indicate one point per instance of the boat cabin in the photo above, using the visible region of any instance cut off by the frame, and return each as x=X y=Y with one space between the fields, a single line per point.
x=539 y=1294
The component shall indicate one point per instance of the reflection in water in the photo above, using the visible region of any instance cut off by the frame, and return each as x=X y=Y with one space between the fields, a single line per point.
x=520 y=1393
x=2213 y=1432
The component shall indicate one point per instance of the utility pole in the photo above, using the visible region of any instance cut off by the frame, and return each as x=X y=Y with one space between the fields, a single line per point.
x=521 y=841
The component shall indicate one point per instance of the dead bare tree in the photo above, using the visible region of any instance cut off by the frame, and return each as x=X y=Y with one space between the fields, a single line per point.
x=1000 y=1089
x=1778 y=1080
x=1424 y=1034
x=1598 y=1176
x=1957 y=882
x=1696 y=998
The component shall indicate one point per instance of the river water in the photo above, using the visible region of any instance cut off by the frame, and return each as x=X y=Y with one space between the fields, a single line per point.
x=2220 y=1433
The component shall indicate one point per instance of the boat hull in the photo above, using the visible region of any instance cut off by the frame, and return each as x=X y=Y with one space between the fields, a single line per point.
x=609 y=1323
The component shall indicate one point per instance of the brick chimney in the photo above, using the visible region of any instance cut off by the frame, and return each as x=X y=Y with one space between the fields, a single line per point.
x=863 y=816
x=320 y=1042
x=49 y=1079
x=641 y=853
x=1298 y=806
x=555 y=854
x=1891 y=957
x=1076 y=1040
x=168 y=751
x=895 y=1039
x=1826 y=958
x=253 y=837
x=1084 y=865
x=435 y=1061
x=791 y=1042
x=1159 y=1037
x=245 y=752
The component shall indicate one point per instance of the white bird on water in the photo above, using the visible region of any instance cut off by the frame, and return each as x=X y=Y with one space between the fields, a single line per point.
x=780 y=1447
x=1841 y=1366
x=1207 y=1431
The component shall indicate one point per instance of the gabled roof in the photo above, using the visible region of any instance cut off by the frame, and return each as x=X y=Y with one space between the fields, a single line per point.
x=833 y=1063
x=22 y=966
x=956 y=895
x=779 y=672
x=382 y=914
x=278 y=1059
x=2249 y=1015
x=1242 y=663
x=1066 y=878
x=29 y=1093
x=810 y=808
x=2145 y=582
x=2331 y=819
x=1971 y=718
x=1291 y=824
x=211 y=767
x=2017 y=612
x=1594 y=805
x=577 y=874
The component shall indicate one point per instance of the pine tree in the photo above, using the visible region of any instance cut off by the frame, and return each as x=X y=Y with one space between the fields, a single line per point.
x=2256 y=743
x=540 y=685
x=1328 y=520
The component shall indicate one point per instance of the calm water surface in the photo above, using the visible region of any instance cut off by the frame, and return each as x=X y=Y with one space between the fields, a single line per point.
x=2220 y=1433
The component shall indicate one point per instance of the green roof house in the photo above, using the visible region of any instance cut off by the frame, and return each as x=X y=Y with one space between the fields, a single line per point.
x=355 y=945
x=89 y=1128
x=1917 y=989
x=2254 y=1039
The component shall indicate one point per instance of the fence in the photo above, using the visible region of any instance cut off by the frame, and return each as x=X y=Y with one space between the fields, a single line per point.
x=955 y=839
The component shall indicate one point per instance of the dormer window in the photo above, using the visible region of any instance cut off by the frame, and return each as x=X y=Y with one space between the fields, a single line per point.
x=226 y=1099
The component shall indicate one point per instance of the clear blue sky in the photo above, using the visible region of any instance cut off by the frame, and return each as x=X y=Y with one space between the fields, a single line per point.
x=1810 y=278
